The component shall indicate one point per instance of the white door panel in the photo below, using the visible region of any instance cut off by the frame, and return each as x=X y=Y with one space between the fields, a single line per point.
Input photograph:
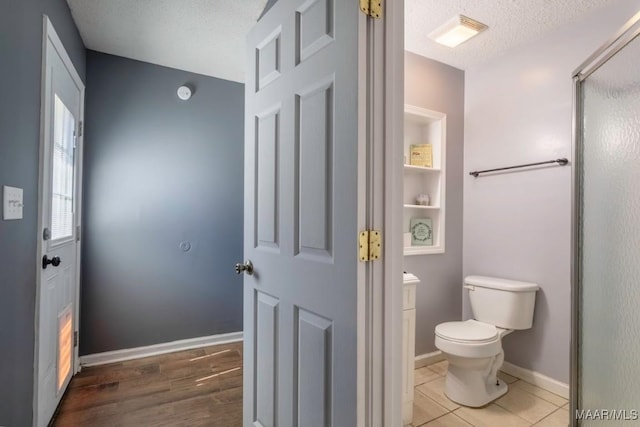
x=63 y=94
x=301 y=216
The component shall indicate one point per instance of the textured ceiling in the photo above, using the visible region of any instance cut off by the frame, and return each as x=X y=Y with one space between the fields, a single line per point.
x=208 y=36
x=511 y=23
x=201 y=36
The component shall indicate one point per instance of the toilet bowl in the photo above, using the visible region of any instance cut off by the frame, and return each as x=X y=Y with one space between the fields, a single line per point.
x=473 y=347
x=474 y=352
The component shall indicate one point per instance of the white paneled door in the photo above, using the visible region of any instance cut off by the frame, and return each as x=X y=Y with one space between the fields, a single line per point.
x=301 y=216
x=56 y=314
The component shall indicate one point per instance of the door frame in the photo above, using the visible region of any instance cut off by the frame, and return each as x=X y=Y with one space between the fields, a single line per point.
x=625 y=35
x=385 y=131
x=388 y=109
x=380 y=300
x=49 y=34
x=380 y=176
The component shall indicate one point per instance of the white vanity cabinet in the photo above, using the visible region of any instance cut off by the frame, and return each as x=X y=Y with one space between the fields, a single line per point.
x=408 y=344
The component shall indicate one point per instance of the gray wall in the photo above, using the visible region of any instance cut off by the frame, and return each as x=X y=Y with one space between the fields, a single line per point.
x=436 y=86
x=20 y=68
x=160 y=171
x=518 y=225
x=268 y=6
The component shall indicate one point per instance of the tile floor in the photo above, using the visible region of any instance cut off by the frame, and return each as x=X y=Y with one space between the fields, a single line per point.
x=523 y=405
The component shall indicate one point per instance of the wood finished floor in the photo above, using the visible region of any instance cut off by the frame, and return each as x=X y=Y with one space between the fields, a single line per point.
x=192 y=388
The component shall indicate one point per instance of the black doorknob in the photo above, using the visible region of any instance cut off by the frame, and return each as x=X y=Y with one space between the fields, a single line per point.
x=55 y=261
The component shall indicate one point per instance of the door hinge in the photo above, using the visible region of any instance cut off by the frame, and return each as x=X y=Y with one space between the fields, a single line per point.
x=371 y=8
x=80 y=128
x=75 y=338
x=78 y=229
x=370 y=245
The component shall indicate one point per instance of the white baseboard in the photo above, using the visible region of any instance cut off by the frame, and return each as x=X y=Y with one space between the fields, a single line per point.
x=537 y=379
x=428 y=358
x=156 y=349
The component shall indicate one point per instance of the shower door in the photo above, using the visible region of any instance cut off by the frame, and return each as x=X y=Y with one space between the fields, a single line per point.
x=606 y=291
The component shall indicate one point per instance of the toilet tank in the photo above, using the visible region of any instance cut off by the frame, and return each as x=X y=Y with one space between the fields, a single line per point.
x=504 y=303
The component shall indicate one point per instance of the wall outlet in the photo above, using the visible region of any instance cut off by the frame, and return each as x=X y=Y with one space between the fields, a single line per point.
x=12 y=202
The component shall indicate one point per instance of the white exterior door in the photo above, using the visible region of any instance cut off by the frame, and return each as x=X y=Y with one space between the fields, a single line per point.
x=302 y=216
x=63 y=94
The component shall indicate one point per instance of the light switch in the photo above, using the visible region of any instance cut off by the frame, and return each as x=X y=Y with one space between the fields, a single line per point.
x=12 y=202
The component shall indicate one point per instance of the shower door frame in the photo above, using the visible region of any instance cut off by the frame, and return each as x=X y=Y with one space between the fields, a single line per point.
x=629 y=31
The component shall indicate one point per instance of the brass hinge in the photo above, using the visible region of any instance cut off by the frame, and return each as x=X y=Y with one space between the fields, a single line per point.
x=75 y=338
x=371 y=8
x=370 y=245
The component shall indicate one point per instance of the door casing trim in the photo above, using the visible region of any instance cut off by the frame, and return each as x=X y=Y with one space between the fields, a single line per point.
x=388 y=109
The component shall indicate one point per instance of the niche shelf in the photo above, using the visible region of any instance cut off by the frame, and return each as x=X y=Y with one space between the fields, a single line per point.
x=422 y=126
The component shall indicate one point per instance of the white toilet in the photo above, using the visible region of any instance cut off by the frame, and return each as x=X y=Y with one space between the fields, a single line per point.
x=474 y=347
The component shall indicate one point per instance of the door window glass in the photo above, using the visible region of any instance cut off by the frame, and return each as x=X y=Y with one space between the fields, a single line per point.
x=62 y=172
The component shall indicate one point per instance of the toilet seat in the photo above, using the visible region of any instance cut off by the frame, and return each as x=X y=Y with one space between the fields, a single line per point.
x=468 y=339
x=470 y=331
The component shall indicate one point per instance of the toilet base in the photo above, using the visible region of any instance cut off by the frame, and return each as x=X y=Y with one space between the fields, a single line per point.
x=474 y=399
x=473 y=382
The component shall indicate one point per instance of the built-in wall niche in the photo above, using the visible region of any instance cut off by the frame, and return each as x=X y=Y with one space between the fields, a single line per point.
x=422 y=126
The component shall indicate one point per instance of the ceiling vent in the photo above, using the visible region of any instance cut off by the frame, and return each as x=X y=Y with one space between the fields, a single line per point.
x=457 y=30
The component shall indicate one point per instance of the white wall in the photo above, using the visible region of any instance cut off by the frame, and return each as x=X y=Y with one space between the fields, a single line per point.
x=518 y=109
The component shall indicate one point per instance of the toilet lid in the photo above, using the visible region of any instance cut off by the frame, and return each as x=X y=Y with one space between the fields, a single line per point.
x=468 y=331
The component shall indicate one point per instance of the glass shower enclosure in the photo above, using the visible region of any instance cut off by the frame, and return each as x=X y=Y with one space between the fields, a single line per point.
x=606 y=273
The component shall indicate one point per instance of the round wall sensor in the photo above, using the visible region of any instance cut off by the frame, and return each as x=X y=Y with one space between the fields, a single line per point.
x=184 y=93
